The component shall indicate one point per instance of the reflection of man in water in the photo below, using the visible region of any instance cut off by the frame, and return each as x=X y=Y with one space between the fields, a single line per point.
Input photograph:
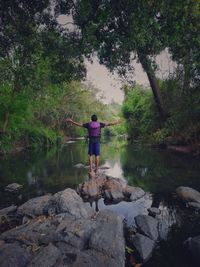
x=94 y=132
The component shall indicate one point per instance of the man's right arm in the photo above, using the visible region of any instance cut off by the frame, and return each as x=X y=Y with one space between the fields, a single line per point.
x=73 y=122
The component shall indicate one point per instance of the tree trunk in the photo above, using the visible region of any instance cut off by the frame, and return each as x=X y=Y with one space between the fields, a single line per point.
x=146 y=64
x=5 y=124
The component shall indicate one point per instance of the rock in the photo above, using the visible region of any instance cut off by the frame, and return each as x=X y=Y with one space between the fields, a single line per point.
x=154 y=211
x=92 y=258
x=148 y=226
x=7 y=217
x=90 y=189
x=114 y=188
x=64 y=201
x=34 y=207
x=103 y=186
x=8 y=210
x=143 y=245
x=193 y=246
x=47 y=257
x=107 y=239
x=133 y=193
x=70 y=142
x=194 y=205
x=79 y=166
x=12 y=255
x=13 y=187
x=104 y=167
x=188 y=194
x=70 y=202
x=74 y=232
x=31 y=233
x=75 y=239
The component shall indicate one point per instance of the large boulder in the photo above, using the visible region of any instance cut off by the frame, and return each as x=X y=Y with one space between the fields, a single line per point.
x=34 y=207
x=47 y=257
x=30 y=234
x=102 y=185
x=107 y=239
x=188 y=194
x=148 y=226
x=68 y=201
x=133 y=193
x=7 y=217
x=193 y=247
x=13 y=255
x=143 y=245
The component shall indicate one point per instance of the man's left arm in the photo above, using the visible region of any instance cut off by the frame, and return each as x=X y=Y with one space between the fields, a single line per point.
x=113 y=123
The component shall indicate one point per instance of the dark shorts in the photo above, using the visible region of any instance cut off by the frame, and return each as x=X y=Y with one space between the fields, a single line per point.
x=94 y=149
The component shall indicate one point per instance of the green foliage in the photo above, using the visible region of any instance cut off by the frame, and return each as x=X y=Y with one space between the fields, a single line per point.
x=139 y=112
x=182 y=126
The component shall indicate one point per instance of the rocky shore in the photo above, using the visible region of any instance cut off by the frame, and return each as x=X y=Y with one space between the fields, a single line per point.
x=64 y=230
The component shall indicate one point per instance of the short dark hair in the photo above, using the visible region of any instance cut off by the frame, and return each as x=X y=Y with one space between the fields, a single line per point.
x=94 y=117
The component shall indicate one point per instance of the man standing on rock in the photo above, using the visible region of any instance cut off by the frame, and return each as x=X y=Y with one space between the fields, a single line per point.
x=94 y=132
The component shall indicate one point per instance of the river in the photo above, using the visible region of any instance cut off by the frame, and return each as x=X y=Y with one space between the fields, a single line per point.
x=157 y=171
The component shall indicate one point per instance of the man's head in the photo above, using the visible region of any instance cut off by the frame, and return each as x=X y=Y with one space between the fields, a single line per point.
x=94 y=117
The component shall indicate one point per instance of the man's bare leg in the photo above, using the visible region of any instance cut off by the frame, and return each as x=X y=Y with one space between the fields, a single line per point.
x=91 y=165
x=97 y=163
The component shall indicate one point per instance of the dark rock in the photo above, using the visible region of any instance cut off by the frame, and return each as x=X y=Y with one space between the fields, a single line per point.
x=154 y=211
x=194 y=205
x=34 y=207
x=13 y=187
x=70 y=202
x=107 y=239
x=90 y=189
x=133 y=193
x=8 y=210
x=47 y=257
x=103 y=185
x=193 y=246
x=75 y=232
x=12 y=255
x=148 y=226
x=92 y=258
x=143 y=245
x=31 y=233
x=188 y=194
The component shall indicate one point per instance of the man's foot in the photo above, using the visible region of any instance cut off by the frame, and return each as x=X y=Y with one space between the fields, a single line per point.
x=97 y=171
x=91 y=174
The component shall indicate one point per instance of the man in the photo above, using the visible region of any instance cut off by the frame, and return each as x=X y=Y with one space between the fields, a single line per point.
x=94 y=132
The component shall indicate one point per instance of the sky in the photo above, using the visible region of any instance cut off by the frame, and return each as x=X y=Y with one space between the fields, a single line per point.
x=109 y=84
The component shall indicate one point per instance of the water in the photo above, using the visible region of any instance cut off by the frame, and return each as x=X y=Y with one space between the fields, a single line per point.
x=158 y=172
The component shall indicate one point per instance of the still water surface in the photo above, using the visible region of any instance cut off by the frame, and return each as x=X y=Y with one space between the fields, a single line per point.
x=158 y=172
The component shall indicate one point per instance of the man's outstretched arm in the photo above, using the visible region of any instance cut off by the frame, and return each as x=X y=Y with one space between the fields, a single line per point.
x=113 y=123
x=73 y=122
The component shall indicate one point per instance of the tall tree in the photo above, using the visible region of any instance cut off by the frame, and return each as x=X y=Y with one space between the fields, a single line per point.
x=180 y=20
x=34 y=51
x=120 y=31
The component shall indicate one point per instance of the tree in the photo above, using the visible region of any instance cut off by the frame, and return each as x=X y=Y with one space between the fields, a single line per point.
x=34 y=52
x=180 y=20
x=120 y=31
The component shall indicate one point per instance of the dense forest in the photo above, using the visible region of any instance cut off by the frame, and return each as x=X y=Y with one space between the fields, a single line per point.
x=42 y=69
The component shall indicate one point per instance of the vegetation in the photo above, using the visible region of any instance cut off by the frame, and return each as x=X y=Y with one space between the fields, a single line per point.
x=182 y=127
x=42 y=66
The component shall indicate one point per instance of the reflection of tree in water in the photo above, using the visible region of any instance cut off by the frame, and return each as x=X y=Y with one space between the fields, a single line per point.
x=158 y=170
